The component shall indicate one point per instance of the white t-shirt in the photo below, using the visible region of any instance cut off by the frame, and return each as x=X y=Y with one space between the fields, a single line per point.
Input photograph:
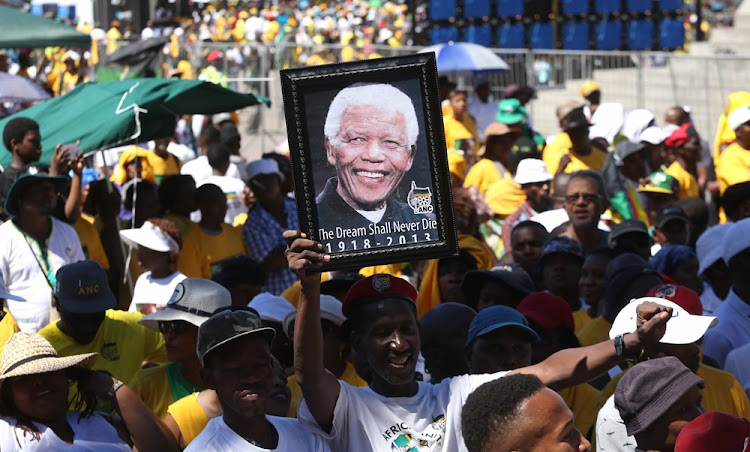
x=150 y=290
x=364 y=420
x=23 y=275
x=92 y=433
x=611 y=433
x=218 y=437
x=232 y=188
x=201 y=170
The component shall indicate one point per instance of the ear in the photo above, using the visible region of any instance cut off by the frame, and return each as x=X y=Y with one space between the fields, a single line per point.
x=355 y=339
x=330 y=152
x=208 y=378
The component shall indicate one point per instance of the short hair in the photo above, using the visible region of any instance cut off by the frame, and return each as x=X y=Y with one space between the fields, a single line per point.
x=494 y=408
x=529 y=224
x=169 y=228
x=170 y=187
x=218 y=154
x=210 y=134
x=229 y=134
x=136 y=187
x=380 y=94
x=206 y=191
x=16 y=129
x=593 y=175
x=238 y=270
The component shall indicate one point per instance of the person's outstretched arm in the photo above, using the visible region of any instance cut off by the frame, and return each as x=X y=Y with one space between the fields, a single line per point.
x=319 y=387
x=578 y=365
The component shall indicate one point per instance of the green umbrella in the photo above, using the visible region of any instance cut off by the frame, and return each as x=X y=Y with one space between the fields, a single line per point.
x=103 y=115
x=21 y=29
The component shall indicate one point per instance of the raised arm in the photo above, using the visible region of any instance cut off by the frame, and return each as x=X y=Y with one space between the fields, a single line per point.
x=578 y=365
x=319 y=387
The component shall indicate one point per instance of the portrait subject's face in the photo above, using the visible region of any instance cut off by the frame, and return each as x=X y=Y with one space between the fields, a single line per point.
x=371 y=153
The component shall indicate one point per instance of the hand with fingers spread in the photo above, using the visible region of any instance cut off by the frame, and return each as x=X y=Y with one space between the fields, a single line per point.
x=60 y=162
x=303 y=255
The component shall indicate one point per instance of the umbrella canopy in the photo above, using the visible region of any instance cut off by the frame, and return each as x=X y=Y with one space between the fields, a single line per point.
x=19 y=89
x=21 y=29
x=103 y=115
x=134 y=53
x=466 y=57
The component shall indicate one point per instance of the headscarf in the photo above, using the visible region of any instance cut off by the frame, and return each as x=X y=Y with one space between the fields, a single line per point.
x=678 y=137
x=120 y=174
x=670 y=258
x=429 y=291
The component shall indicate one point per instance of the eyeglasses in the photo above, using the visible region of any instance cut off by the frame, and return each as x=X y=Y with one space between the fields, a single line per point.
x=175 y=327
x=588 y=198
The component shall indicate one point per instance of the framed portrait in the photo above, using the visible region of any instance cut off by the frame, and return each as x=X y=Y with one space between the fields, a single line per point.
x=367 y=146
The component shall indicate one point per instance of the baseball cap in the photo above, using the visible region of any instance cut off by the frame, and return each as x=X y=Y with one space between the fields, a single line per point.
x=512 y=275
x=661 y=182
x=496 y=317
x=575 y=119
x=83 y=288
x=739 y=116
x=263 y=166
x=566 y=107
x=562 y=245
x=626 y=227
x=226 y=326
x=650 y=388
x=626 y=148
x=682 y=296
x=548 y=310
x=653 y=135
x=531 y=171
x=709 y=246
x=377 y=287
x=271 y=308
x=194 y=300
x=330 y=309
x=682 y=328
x=588 y=87
x=510 y=111
x=714 y=431
x=149 y=236
x=668 y=214
x=736 y=240
x=678 y=137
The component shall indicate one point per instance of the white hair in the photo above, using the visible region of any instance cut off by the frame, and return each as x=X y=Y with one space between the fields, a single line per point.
x=380 y=94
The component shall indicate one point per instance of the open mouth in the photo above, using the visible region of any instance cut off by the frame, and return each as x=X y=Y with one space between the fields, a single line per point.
x=399 y=361
x=375 y=175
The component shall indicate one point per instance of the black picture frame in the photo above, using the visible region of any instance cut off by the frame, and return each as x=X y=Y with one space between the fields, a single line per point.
x=423 y=186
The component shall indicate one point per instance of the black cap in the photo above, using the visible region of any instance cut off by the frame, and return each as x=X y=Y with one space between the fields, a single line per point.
x=575 y=119
x=83 y=288
x=626 y=148
x=512 y=275
x=670 y=213
x=226 y=326
x=626 y=227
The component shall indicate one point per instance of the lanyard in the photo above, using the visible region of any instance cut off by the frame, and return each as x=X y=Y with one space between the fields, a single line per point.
x=44 y=252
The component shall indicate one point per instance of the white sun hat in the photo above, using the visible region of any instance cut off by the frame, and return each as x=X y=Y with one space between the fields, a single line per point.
x=531 y=171
x=150 y=236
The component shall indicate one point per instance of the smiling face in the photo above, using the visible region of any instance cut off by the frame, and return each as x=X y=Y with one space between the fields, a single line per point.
x=241 y=373
x=389 y=342
x=41 y=397
x=371 y=153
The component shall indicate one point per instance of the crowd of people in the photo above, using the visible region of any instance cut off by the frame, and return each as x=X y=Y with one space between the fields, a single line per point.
x=167 y=300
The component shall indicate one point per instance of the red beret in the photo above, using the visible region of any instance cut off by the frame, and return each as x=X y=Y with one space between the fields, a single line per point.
x=378 y=286
x=685 y=298
x=714 y=431
x=546 y=309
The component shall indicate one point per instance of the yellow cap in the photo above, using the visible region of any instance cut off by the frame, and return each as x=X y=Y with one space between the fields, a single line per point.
x=589 y=87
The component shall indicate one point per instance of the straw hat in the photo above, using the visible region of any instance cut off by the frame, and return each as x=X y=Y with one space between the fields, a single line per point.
x=30 y=353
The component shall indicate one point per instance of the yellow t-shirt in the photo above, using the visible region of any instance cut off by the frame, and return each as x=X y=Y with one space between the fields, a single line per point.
x=596 y=331
x=349 y=376
x=122 y=343
x=581 y=318
x=69 y=82
x=688 y=183
x=482 y=175
x=722 y=392
x=733 y=166
x=189 y=417
x=153 y=386
x=561 y=145
x=8 y=327
x=460 y=130
x=505 y=196
x=183 y=223
x=163 y=166
x=90 y=240
x=202 y=253
x=582 y=400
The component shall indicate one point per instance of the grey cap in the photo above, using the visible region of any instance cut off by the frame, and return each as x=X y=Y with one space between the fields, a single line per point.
x=226 y=326
x=194 y=300
x=650 y=388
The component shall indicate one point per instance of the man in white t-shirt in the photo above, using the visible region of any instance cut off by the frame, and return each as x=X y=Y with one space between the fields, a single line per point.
x=34 y=245
x=396 y=412
x=235 y=351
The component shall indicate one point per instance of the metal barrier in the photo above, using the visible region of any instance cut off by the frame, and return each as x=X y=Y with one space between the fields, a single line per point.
x=650 y=80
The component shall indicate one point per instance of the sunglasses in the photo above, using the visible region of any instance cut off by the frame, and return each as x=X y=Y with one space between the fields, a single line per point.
x=175 y=327
x=588 y=198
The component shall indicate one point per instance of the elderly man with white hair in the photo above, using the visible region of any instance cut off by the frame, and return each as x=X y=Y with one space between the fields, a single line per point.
x=371 y=134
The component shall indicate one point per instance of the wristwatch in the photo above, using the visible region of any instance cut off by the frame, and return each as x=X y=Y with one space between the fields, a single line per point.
x=117 y=384
x=620 y=349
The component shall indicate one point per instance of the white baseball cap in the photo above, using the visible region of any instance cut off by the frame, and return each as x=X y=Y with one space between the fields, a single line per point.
x=150 y=236
x=531 y=171
x=739 y=116
x=271 y=308
x=682 y=328
x=654 y=135
x=330 y=309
